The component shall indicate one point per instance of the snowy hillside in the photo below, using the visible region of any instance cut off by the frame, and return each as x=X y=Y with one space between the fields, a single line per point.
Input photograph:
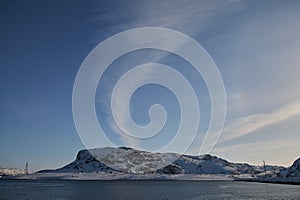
x=128 y=160
x=10 y=172
x=111 y=160
x=293 y=171
x=208 y=164
x=290 y=175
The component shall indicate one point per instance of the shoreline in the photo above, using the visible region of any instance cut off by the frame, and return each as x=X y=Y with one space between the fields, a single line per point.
x=125 y=177
x=285 y=181
x=148 y=177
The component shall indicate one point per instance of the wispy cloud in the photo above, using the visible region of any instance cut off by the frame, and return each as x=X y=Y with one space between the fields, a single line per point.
x=189 y=17
x=259 y=77
x=121 y=105
x=251 y=123
x=177 y=15
x=257 y=52
x=263 y=146
x=275 y=151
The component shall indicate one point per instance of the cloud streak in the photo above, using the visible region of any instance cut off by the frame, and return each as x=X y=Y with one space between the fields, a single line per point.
x=256 y=152
x=190 y=17
x=181 y=16
x=251 y=123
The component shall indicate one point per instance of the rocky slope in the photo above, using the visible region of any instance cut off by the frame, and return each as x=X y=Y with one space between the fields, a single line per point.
x=128 y=160
x=292 y=171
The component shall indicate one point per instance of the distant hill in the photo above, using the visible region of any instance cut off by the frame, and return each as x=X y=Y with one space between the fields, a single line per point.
x=11 y=172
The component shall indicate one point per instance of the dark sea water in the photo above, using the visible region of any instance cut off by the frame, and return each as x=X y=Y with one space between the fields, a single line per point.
x=183 y=190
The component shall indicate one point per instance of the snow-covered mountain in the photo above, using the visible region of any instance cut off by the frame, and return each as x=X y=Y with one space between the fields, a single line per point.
x=11 y=172
x=128 y=160
x=292 y=171
x=122 y=159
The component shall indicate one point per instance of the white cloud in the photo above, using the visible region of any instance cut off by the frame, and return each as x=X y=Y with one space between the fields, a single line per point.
x=246 y=125
x=251 y=123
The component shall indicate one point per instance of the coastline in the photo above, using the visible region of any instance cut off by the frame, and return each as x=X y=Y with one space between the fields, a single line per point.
x=103 y=177
x=275 y=180
x=149 y=177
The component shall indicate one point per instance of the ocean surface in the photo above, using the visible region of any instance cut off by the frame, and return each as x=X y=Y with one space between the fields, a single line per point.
x=183 y=190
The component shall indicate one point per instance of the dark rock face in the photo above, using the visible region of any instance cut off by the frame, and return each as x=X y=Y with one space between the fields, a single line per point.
x=125 y=148
x=86 y=162
x=171 y=169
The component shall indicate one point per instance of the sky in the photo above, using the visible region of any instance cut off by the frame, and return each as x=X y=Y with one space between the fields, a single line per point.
x=254 y=44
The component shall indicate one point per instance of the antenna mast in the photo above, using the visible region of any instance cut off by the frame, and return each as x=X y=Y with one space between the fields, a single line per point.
x=26 y=168
x=265 y=170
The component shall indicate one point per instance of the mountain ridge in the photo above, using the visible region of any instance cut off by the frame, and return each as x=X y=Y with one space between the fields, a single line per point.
x=132 y=161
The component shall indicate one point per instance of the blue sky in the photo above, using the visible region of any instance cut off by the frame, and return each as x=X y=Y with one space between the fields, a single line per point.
x=255 y=45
